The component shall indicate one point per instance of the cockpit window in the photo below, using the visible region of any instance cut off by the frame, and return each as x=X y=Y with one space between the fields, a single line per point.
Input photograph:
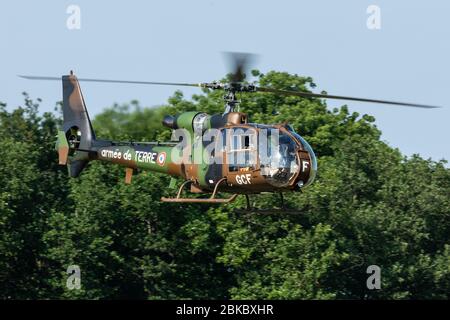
x=242 y=141
x=241 y=153
x=278 y=157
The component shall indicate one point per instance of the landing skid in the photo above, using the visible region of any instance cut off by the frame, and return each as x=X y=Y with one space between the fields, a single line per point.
x=211 y=199
x=249 y=209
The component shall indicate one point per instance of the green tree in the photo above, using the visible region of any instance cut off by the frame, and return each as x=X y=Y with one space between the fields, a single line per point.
x=31 y=187
x=369 y=205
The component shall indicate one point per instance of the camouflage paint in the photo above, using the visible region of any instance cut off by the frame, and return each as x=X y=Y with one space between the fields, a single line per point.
x=77 y=145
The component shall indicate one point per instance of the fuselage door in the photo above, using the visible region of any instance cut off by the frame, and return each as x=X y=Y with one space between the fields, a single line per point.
x=240 y=155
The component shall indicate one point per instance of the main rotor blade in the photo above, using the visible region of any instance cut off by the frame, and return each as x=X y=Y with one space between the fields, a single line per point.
x=238 y=63
x=118 y=81
x=237 y=76
x=329 y=96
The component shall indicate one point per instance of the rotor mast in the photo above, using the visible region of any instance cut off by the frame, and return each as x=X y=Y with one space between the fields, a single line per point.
x=230 y=97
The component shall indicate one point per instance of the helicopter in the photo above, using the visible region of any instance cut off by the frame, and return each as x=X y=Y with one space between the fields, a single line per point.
x=212 y=153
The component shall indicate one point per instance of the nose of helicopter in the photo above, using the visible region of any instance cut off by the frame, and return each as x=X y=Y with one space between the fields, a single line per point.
x=289 y=163
x=307 y=160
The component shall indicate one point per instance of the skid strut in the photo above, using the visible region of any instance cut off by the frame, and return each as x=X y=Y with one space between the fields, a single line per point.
x=211 y=199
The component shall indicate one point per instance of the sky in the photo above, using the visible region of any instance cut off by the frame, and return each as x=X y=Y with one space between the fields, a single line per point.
x=405 y=59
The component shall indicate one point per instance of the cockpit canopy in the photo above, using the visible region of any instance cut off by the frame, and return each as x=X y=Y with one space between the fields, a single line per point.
x=279 y=160
x=274 y=151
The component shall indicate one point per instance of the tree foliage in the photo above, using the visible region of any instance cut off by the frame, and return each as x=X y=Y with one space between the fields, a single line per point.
x=369 y=205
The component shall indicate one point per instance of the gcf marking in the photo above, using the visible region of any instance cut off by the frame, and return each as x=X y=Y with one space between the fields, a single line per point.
x=161 y=159
x=244 y=178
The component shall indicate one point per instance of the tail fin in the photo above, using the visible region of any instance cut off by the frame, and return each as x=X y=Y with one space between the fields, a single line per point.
x=77 y=135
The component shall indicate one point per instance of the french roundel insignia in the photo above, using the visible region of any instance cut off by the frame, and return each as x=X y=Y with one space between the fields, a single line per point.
x=161 y=158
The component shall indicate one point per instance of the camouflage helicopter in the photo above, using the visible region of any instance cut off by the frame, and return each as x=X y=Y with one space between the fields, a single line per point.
x=234 y=137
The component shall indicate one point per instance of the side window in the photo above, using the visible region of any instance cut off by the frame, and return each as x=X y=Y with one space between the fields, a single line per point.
x=224 y=140
x=241 y=153
x=246 y=142
x=243 y=140
x=235 y=142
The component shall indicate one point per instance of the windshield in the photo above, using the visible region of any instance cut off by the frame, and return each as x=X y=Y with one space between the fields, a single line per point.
x=278 y=157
